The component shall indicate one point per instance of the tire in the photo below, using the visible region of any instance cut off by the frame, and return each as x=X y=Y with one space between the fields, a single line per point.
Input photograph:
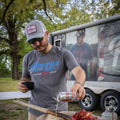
x=90 y=102
x=111 y=100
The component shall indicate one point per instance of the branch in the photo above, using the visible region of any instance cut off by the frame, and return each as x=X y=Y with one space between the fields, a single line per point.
x=4 y=13
x=19 y=25
x=46 y=12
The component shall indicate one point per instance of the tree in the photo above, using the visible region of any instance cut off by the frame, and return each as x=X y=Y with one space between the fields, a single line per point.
x=16 y=15
x=56 y=14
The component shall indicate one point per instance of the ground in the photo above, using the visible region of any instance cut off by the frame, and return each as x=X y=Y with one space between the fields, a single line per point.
x=12 y=111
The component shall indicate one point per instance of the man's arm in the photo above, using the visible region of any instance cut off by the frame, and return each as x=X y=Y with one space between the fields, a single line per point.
x=78 y=86
x=21 y=86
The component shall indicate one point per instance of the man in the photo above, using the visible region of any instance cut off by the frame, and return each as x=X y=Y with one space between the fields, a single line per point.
x=83 y=53
x=47 y=66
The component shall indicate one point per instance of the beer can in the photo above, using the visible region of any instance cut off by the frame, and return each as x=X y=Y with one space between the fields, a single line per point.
x=66 y=97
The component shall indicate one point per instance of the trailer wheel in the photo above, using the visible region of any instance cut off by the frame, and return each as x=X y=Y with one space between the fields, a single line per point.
x=111 y=100
x=90 y=102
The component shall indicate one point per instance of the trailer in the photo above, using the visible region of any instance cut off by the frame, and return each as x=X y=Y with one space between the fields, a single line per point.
x=102 y=66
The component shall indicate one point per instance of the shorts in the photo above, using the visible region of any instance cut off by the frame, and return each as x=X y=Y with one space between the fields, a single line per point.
x=32 y=116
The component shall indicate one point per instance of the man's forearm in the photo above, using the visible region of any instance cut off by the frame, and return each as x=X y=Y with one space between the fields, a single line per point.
x=79 y=75
x=78 y=86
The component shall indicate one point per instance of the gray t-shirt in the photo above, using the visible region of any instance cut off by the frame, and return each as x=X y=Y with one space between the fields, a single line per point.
x=48 y=72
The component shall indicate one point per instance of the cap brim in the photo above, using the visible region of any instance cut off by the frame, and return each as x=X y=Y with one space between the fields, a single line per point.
x=40 y=35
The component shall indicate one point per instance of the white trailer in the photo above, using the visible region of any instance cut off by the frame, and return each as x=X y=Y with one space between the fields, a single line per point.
x=104 y=37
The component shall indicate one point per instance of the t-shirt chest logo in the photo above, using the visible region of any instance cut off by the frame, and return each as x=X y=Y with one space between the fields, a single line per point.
x=31 y=29
x=44 y=67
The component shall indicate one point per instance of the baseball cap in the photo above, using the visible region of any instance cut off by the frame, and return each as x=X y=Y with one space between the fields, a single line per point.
x=35 y=29
x=80 y=32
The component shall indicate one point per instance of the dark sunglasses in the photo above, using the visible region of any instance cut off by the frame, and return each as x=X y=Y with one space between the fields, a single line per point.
x=32 y=41
x=80 y=34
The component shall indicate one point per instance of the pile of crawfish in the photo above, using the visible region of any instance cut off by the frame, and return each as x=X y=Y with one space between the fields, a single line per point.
x=83 y=115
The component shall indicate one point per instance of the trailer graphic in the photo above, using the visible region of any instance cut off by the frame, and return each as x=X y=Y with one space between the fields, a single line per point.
x=99 y=56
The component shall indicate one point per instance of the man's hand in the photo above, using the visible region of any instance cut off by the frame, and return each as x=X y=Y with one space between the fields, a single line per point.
x=77 y=88
x=23 y=87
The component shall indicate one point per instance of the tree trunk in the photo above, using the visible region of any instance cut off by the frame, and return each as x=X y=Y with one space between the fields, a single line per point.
x=15 y=68
x=14 y=45
x=16 y=60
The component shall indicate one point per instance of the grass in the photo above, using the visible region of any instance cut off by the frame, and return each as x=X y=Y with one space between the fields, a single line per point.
x=8 y=84
x=12 y=111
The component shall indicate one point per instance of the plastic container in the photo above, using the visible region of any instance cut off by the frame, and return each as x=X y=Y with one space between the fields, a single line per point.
x=109 y=115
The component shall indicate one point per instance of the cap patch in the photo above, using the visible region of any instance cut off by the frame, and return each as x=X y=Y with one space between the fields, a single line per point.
x=31 y=29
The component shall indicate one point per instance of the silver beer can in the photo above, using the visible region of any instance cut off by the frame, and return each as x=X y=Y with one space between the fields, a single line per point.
x=66 y=97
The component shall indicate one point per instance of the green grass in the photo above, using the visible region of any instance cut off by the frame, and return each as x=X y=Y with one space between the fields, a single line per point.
x=12 y=111
x=8 y=84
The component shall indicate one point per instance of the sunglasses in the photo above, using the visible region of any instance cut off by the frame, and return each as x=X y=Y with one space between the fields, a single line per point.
x=80 y=34
x=32 y=41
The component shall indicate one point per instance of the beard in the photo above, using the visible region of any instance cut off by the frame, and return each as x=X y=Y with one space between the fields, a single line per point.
x=41 y=48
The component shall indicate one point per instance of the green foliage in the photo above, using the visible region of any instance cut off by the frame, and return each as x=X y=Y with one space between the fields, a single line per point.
x=104 y=8
x=4 y=70
x=24 y=48
x=56 y=15
x=18 y=13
